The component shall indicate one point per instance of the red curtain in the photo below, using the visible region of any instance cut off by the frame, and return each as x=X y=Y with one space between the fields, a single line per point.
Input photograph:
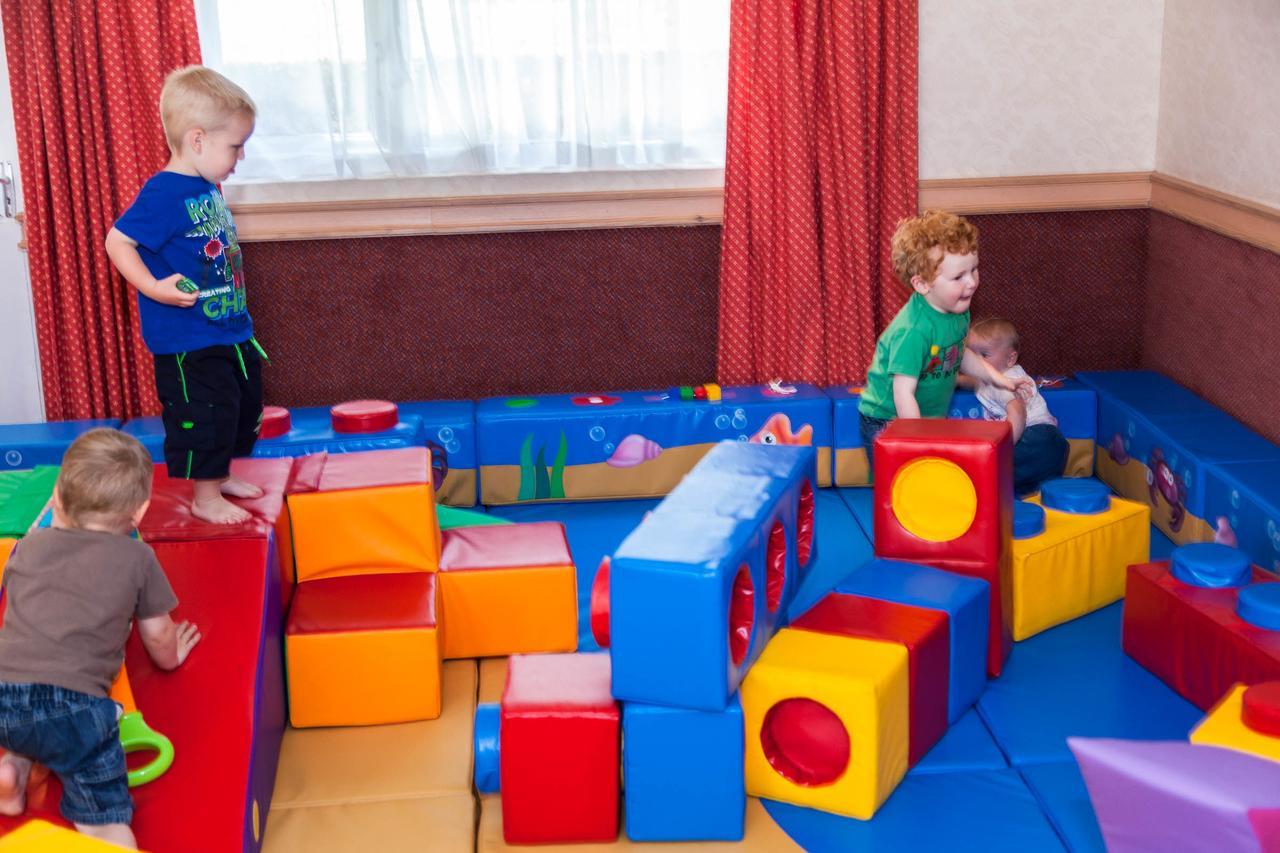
x=86 y=77
x=821 y=164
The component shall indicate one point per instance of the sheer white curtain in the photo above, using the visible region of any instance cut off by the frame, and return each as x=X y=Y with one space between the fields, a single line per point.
x=382 y=88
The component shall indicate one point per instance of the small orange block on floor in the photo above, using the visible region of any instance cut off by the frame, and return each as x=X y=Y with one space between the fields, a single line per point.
x=363 y=513
x=508 y=589
x=364 y=650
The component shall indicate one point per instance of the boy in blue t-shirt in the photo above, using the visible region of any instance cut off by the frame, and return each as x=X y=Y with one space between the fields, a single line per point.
x=176 y=244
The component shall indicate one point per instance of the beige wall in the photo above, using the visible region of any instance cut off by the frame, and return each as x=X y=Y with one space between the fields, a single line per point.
x=1220 y=96
x=1039 y=87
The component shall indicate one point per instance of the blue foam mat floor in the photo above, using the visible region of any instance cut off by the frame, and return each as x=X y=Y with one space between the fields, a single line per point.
x=1002 y=777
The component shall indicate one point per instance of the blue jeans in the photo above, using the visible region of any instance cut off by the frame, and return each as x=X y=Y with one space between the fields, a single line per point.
x=1040 y=454
x=869 y=428
x=77 y=736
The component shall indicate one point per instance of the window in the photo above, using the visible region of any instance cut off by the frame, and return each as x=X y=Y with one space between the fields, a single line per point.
x=410 y=88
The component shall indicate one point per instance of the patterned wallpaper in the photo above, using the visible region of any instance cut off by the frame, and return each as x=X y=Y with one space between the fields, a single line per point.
x=1220 y=96
x=1003 y=93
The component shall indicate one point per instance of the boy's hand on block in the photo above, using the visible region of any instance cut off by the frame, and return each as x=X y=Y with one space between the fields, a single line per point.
x=168 y=291
x=188 y=636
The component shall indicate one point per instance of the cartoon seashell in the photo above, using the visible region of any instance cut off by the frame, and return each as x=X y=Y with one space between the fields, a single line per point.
x=633 y=450
x=1224 y=535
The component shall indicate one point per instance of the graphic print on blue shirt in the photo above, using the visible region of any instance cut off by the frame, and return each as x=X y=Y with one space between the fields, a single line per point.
x=182 y=225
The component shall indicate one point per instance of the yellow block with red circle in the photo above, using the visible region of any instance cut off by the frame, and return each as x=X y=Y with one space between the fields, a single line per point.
x=508 y=589
x=39 y=836
x=363 y=513
x=6 y=548
x=1224 y=727
x=1077 y=565
x=364 y=649
x=827 y=722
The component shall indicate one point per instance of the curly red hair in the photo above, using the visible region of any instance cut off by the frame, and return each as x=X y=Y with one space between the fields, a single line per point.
x=916 y=238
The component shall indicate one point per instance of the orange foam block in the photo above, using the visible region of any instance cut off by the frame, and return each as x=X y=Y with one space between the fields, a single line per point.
x=363 y=513
x=508 y=589
x=364 y=650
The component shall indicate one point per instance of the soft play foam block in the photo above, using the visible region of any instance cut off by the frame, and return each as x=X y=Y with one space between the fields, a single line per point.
x=1073 y=403
x=967 y=745
x=40 y=836
x=363 y=513
x=683 y=773
x=632 y=443
x=1077 y=565
x=849 y=458
x=1192 y=638
x=364 y=649
x=223 y=709
x=400 y=825
x=507 y=589
x=944 y=497
x=1076 y=680
x=1226 y=726
x=449 y=432
x=1061 y=792
x=1242 y=505
x=1177 y=796
x=921 y=631
x=23 y=496
x=29 y=445
x=701 y=584
x=559 y=750
x=962 y=599
x=761 y=835
x=826 y=721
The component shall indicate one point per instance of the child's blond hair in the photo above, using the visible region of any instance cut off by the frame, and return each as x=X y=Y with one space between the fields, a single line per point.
x=105 y=477
x=996 y=330
x=197 y=96
x=914 y=241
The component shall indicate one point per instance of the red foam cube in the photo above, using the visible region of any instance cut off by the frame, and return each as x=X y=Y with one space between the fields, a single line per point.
x=922 y=505
x=559 y=746
x=1191 y=638
x=924 y=632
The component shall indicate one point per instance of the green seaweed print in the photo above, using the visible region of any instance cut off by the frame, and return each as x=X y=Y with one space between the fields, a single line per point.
x=536 y=482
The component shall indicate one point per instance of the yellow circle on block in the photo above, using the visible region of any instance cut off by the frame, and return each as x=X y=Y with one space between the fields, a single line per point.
x=934 y=499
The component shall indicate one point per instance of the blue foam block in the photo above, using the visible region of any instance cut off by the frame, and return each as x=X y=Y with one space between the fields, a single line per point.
x=486 y=747
x=1210 y=565
x=1244 y=499
x=967 y=745
x=983 y=812
x=1073 y=403
x=861 y=502
x=29 y=445
x=1259 y=605
x=963 y=599
x=683 y=773
x=1061 y=792
x=1028 y=520
x=672 y=581
x=1078 y=496
x=149 y=431
x=841 y=546
x=594 y=530
x=311 y=431
x=1076 y=680
x=1146 y=391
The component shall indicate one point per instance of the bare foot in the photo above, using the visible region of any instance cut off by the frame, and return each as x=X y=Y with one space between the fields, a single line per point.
x=218 y=510
x=14 y=771
x=237 y=488
x=119 y=834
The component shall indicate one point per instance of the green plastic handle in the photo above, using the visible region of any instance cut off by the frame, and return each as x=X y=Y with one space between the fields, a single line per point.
x=136 y=736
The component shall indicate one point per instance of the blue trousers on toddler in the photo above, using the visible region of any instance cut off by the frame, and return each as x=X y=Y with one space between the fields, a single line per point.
x=77 y=736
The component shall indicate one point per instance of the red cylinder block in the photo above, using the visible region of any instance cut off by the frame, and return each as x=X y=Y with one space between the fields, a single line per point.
x=364 y=416
x=275 y=422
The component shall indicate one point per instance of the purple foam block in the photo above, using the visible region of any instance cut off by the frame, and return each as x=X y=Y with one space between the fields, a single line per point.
x=1171 y=795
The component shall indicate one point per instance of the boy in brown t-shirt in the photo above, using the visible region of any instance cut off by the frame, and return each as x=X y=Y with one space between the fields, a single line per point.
x=71 y=593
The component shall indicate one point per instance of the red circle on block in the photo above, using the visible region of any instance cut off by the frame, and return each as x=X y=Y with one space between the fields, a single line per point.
x=600 y=604
x=364 y=416
x=804 y=525
x=275 y=422
x=1261 y=711
x=775 y=567
x=805 y=742
x=742 y=615
x=596 y=400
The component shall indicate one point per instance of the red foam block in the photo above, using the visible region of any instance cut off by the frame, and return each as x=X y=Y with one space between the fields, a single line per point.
x=559 y=750
x=984 y=450
x=1191 y=638
x=384 y=602
x=1260 y=709
x=367 y=469
x=359 y=416
x=501 y=546
x=169 y=517
x=600 y=604
x=924 y=633
x=276 y=421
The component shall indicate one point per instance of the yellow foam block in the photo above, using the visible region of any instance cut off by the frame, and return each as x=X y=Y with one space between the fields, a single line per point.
x=862 y=685
x=852 y=468
x=1077 y=565
x=39 y=836
x=364 y=531
x=491 y=612
x=6 y=548
x=760 y=833
x=1079 y=458
x=1223 y=727
x=407 y=825
x=360 y=678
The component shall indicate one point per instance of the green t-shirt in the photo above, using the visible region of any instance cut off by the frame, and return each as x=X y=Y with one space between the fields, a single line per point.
x=923 y=342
